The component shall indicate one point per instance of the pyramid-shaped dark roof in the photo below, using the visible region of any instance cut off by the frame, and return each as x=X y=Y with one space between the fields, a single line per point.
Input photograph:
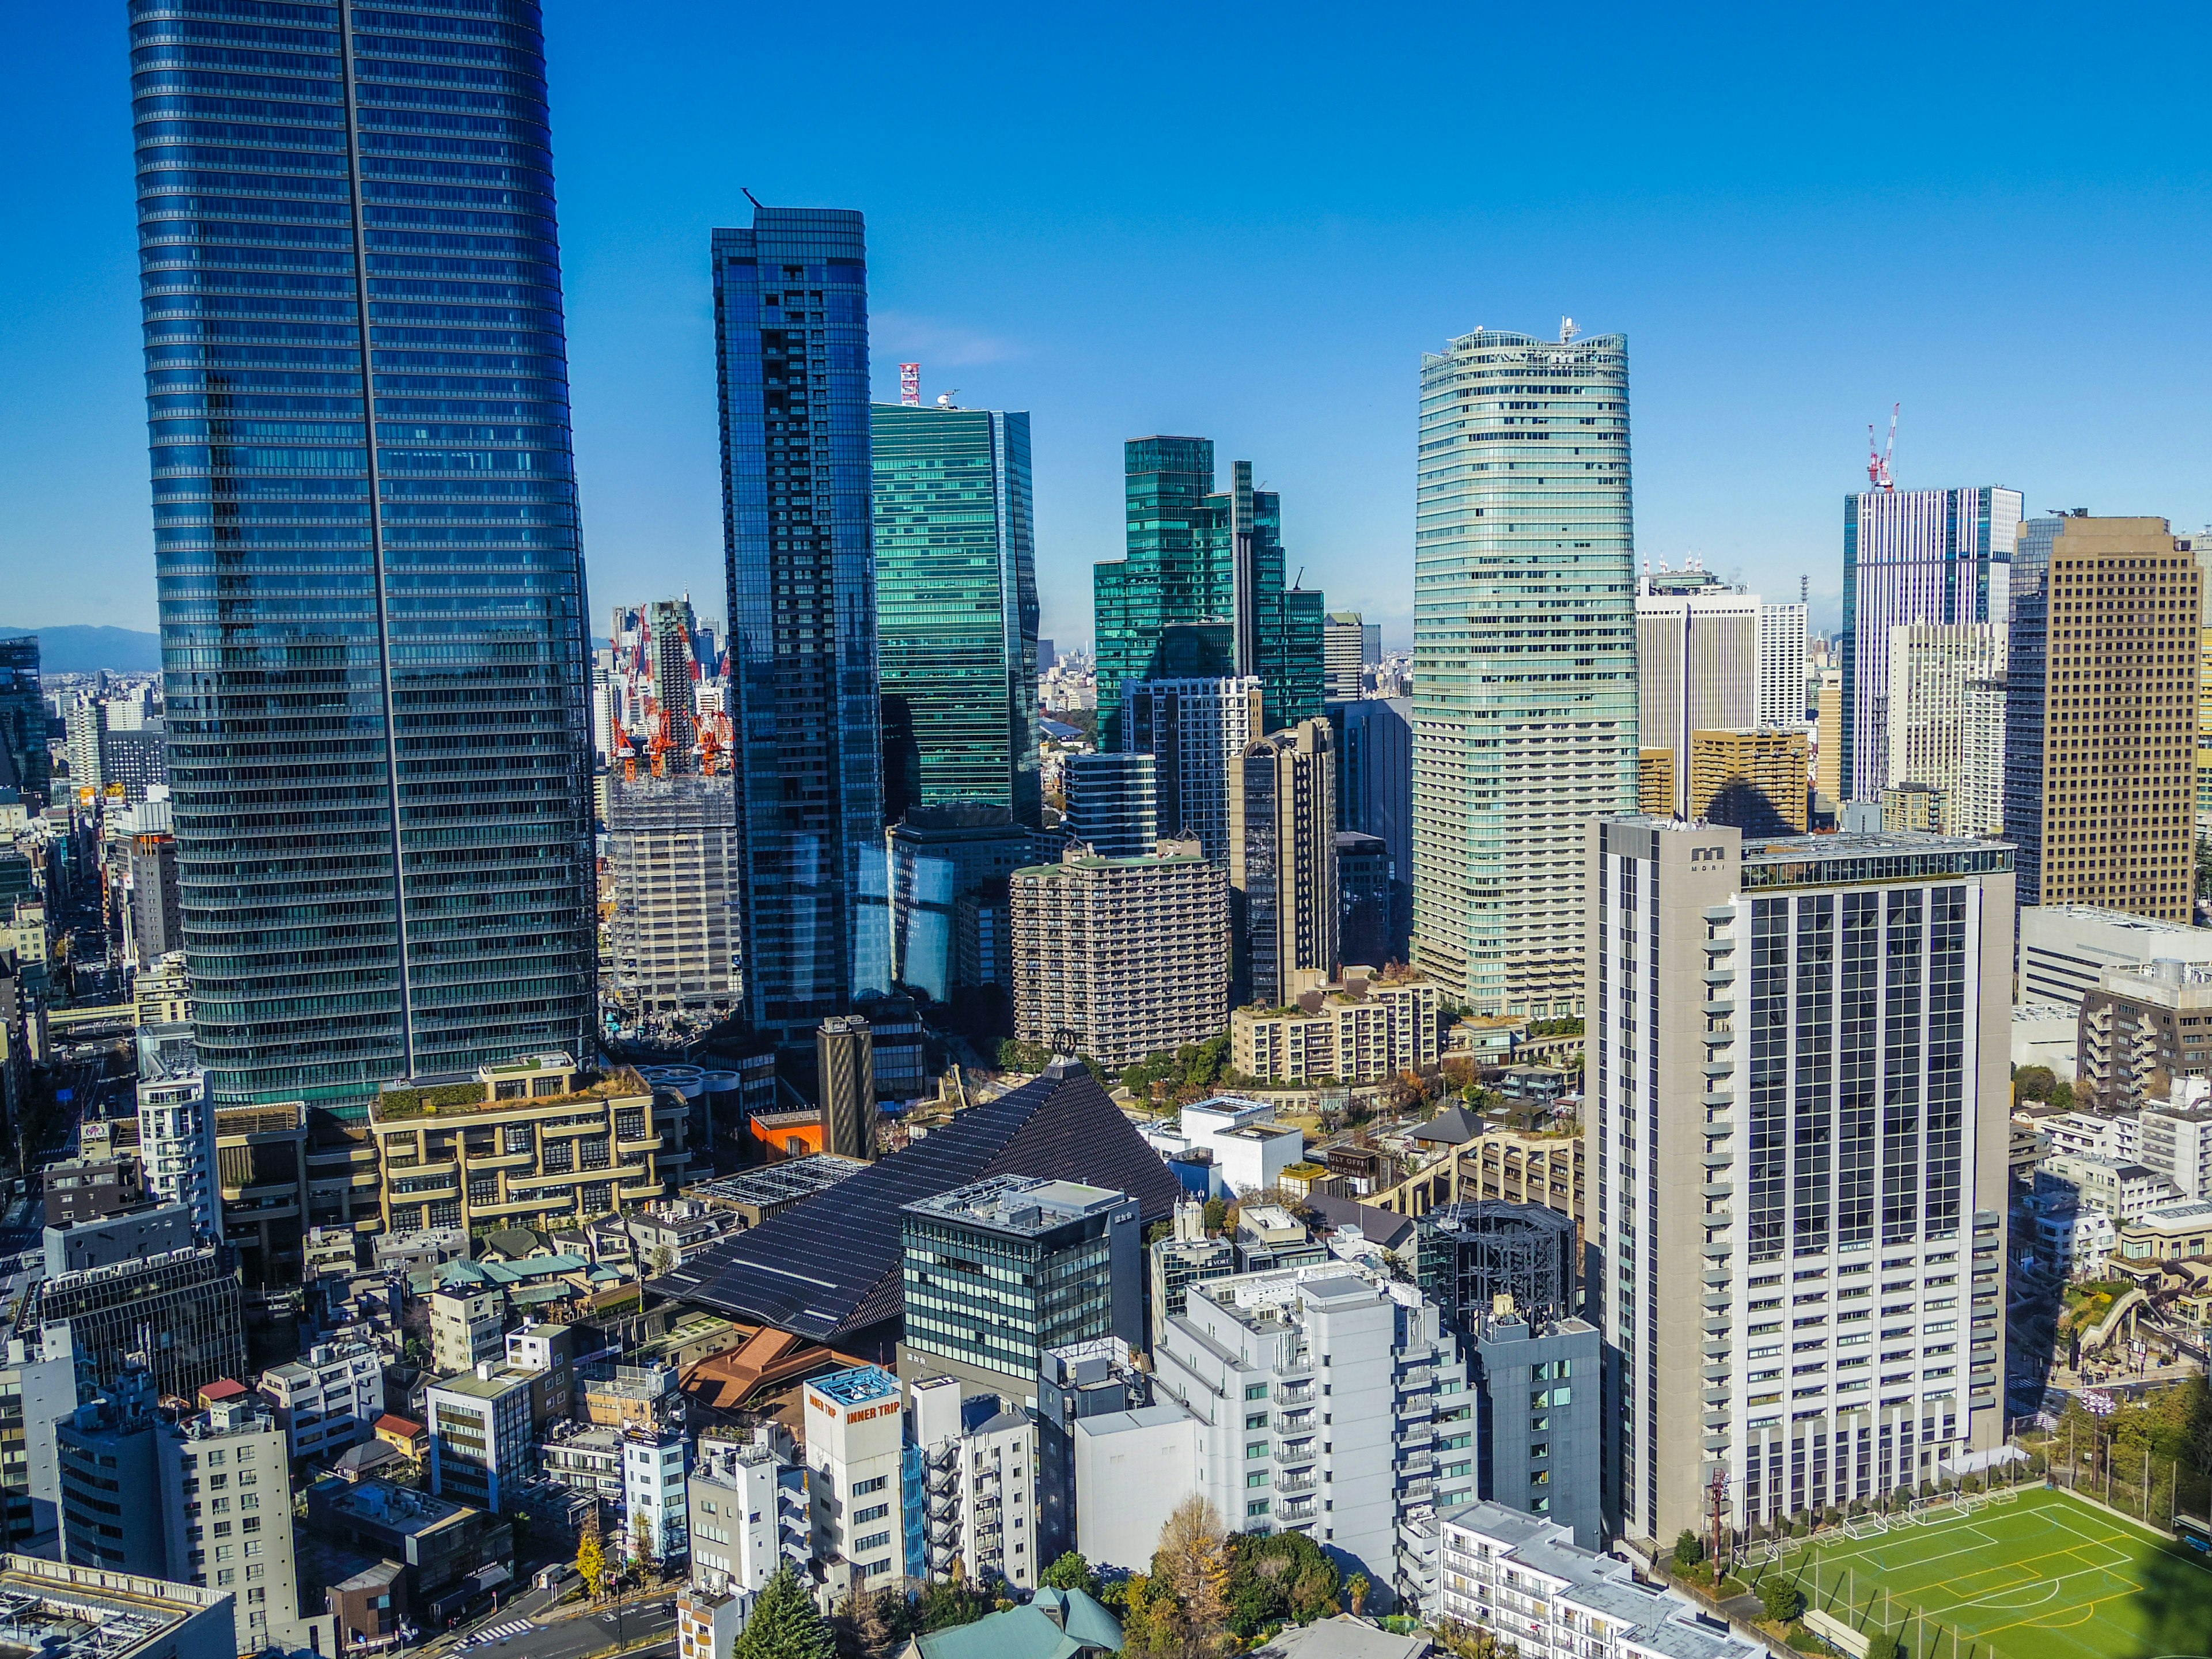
x=1453 y=1128
x=831 y=1265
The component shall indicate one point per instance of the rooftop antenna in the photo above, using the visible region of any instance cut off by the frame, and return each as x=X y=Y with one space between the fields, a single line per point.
x=910 y=385
x=945 y=398
x=754 y=200
x=1567 y=330
x=1877 y=460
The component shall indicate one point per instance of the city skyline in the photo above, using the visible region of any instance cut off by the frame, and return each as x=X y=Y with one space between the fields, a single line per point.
x=1762 y=355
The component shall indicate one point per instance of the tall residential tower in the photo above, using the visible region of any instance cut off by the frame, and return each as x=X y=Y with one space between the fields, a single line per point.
x=372 y=586
x=1524 y=657
x=791 y=317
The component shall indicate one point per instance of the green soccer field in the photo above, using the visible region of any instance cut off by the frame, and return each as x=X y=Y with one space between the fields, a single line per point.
x=2042 y=1577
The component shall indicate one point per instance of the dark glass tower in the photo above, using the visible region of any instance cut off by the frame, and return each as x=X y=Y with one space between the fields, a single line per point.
x=956 y=608
x=791 y=324
x=372 y=589
x=1199 y=556
x=24 y=763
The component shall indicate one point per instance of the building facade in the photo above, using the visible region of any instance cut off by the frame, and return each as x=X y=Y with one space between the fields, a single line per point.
x=2101 y=721
x=1697 y=667
x=1797 y=1130
x=1912 y=555
x=673 y=853
x=1282 y=863
x=1193 y=729
x=1343 y=654
x=972 y=1488
x=1783 y=679
x=2144 y=1030
x=1754 y=778
x=956 y=608
x=1122 y=957
x=1946 y=698
x=750 y=1515
x=29 y=764
x=791 y=318
x=1524 y=657
x=1374 y=794
x=321 y=365
x=949 y=868
x=1360 y=1028
x=855 y=1444
x=1113 y=804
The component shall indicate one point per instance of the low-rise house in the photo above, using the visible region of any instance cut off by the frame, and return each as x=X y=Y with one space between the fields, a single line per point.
x=448 y=1552
x=1056 y=1624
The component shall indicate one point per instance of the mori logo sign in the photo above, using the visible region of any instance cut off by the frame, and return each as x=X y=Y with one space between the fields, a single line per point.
x=1709 y=854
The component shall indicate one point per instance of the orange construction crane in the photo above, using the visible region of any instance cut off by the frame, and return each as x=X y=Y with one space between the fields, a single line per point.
x=626 y=754
x=713 y=744
x=661 y=742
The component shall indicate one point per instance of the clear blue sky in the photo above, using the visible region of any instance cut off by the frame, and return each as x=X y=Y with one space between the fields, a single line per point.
x=1249 y=223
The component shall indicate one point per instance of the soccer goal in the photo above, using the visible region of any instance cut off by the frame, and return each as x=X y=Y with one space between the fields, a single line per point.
x=1866 y=1525
x=2004 y=1495
x=1969 y=1502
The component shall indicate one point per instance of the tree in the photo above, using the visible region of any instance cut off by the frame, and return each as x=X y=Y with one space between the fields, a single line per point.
x=784 y=1624
x=1190 y=1568
x=869 y=1624
x=1278 y=1578
x=590 y=1562
x=1881 y=1645
x=1071 y=1571
x=953 y=1601
x=1782 y=1600
x=1688 y=1552
x=1357 y=1588
x=1217 y=1214
x=1015 y=1056
x=2034 y=1082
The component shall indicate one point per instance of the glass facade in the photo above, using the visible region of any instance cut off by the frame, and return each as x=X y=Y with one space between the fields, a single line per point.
x=1199 y=556
x=1524 y=658
x=371 y=580
x=956 y=609
x=791 y=322
x=28 y=766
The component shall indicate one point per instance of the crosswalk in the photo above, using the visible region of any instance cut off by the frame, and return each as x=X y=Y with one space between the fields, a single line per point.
x=495 y=1632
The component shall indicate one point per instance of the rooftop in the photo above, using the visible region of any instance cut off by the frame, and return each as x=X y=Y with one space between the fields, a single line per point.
x=466 y=1093
x=786 y=1182
x=858 y=1385
x=60 y=1612
x=381 y=1504
x=503 y=1380
x=1027 y=1206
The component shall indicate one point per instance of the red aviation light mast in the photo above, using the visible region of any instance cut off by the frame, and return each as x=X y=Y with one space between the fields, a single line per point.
x=1878 y=459
x=910 y=385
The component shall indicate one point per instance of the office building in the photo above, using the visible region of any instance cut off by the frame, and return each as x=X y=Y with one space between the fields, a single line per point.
x=2065 y=949
x=1116 y=958
x=188 y=1297
x=1798 y=1100
x=1343 y=653
x=655 y=1498
x=1947 y=700
x=1360 y=1028
x=24 y=756
x=845 y=1083
x=1260 y=1360
x=93 y=1613
x=1375 y=795
x=156 y=911
x=1001 y=1270
x=1781 y=666
x=672 y=851
x=791 y=320
x=1912 y=555
x=536 y=1142
x=1186 y=1258
x=1526 y=1580
x=1282 y=863
x=482 y=1444
x=2177 y=1141
x=855 y=1443
x=1193 y=729
x=86 y=725
x=1199 y=555
x=2100 y=740
x=176 y=1144
x=1752 y=778
x=148 y=1230
x=446 y=1553
x=447 y=906
x=1828 y=735
x=1698 y=666
x=1113 y=804
x=1524 y=658
x=749 y=1510
x=1538 y=1402
x=950 y=924
x=84 y=1189
x=1363 y=898
x=2143 y=1029
x=956 y=608
x=134 y=761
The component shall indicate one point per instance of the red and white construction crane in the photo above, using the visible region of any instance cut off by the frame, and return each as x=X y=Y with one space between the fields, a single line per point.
x=1878 y=459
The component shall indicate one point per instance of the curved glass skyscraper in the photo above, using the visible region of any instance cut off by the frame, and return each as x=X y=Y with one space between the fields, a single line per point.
x=371 y=588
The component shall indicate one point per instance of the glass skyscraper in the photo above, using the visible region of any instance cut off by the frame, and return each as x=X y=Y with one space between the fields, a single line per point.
x=26 y=765
x=1199 y=556
x=791 y=329
x=1912 y=555
x=956 y=609
x=1524 y=658
x=371 y=583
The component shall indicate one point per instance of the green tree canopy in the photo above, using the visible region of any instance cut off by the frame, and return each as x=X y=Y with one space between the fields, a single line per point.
x=1782 y=1600
x=1071 y=1571
x=785 y=1624
x=1278 y=1578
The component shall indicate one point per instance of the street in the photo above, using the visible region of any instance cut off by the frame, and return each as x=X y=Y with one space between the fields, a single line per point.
x=645 y=1625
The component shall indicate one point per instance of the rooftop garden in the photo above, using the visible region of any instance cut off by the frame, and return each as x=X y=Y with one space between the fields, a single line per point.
x=457 y=1097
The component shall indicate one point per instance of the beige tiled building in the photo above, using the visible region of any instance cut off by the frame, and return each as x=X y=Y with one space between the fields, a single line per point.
x=534 y=1142
x=1357 y=1031
x=1752 y=778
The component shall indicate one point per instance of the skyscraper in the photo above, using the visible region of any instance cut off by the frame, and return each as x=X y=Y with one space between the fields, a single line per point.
x=1282 y=863
x=1797 y=1144
x=670 y=629
x=372 y=583
x=25 y=763
x=1375 y=795
x=1781 y=677
x=1947 y=703
x=791 y=317
x=1342 y=637
x=956 y=607
x=1196 y=555
x=1524 y=657
x=1912 y=555
x=1192 y=729
x=1697 y=669
x=2100 y=718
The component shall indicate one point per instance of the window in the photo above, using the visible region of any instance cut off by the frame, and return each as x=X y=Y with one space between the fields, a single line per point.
x=1255 y=1419
x=863 y=1488
x=1257 y=1478
x=1257 y=1506
x=874 y=1541
x=1255 y=1390
x=874 y=1512
x=1257 y=1449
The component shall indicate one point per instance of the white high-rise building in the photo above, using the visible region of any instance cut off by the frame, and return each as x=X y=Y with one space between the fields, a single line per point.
x=1797 y=1131
x=1524 y=657
x=1782 y=667
x=855 y=1444
x=1193 y=729
x=1947 y=718
x=673 y=851
x=748 y=1511
x=176 y=1141
x=1697 y=669
x=979 y=1459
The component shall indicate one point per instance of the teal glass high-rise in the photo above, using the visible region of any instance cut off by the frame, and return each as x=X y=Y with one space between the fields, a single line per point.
x=956 y=609
x=791 y=325
x=371 y=580
x=1197 y=555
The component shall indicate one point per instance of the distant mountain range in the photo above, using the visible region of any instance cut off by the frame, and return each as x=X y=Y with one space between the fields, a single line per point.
x=80 y=650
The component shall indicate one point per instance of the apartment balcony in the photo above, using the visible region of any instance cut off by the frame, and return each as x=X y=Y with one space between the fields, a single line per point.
x=1719 y=1160
x=1718 y=1067
x=1305 y=1480
x=1294 y=1393
x=1718 y=1188
x=1419 y=1377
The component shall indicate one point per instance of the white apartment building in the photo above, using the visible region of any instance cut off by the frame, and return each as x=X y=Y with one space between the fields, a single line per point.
x=2176 y=1137
x=1250 y=1149
x=1783 y=680
x=329 y=1400
x=2117 y=1136
x=1946 y=723
x=468 y=1325
x=1192 y=728
x=748 y=1511
x=1326 y=1400
x=2123 y=1191
x=654 y=1498
x=855 y=1442
x=1524 y=1578
x=227 y=1517
x=1798 y=1133
x=176 y=1142
x=979 y=1473
x=2064 y=949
